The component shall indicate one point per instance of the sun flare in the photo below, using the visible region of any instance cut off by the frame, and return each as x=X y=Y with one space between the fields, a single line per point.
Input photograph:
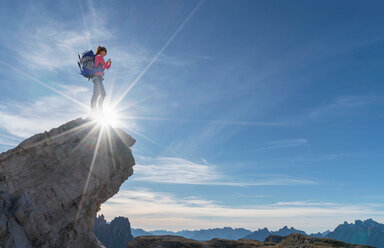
x=109 y=117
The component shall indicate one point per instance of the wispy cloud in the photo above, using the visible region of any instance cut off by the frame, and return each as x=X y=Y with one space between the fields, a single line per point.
x=216 y=132
x=50 y=45
x=54 y=44
x=323 y=157
x=173 y=170
x=151 y=210
x=286 y=144
x=341 y=106
x=161 y=50
x=44 y=113
x=294 y=161
x=305 y=203
x=25 y=119
x=9 y=140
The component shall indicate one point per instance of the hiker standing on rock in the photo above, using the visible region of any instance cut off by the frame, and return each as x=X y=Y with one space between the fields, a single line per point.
x=98 y=88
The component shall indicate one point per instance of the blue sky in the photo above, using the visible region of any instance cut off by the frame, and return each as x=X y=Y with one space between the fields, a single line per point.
x=246 y=113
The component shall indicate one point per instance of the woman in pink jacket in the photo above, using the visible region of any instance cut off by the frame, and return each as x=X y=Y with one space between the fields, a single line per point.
x=98 y=88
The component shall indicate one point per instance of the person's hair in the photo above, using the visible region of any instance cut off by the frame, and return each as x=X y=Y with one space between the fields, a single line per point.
x=100 y=49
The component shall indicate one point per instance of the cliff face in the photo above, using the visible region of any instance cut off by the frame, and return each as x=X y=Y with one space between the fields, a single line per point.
x=52 y=184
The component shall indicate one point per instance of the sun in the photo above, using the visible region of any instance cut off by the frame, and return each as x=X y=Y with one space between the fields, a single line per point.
x=109 y=117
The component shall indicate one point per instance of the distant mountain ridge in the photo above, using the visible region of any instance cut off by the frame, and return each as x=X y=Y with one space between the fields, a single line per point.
x=224 y=233
x=201 y=235
x=139 y=232
x=368 y=232
x=262 y=234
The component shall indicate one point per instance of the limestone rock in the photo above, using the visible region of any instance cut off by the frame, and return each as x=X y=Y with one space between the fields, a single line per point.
x=52 y=184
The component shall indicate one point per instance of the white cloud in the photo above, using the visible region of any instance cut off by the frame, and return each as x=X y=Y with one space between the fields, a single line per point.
x=323 y=157
x=173 y=170
x=341 y=106
x=305 y=203
x=28 y=118
x=54 y=45
x=41 y=42
x=9 y=140
x=159 y=210
x=24 y=119
x=286 y=144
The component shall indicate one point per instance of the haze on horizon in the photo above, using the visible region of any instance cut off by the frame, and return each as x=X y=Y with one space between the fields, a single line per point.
x=246 y=113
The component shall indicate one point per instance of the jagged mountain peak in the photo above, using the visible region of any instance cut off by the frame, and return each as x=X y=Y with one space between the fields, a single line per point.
x=371 y=222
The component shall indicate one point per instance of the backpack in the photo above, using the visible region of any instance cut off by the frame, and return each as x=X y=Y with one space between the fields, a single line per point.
x=86 y=64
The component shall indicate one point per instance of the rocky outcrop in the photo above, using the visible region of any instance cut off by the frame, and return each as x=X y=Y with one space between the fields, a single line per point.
x=52 y=184
x=221 y=233
x=299 y=240
x=274 y=239
x=170 y=241
x=115 y=234
x=291 y=241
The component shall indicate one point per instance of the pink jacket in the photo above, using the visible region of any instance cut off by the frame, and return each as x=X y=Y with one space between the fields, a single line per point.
x=100 y=60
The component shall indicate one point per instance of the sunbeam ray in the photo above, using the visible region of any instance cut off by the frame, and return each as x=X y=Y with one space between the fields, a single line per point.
x=160 y=52
x=110 y=145
x=121 y=110
x=85 y=125
x=45 y=85
x=141 y=135
x=94 y=129
x=90 y=172
x=255 y=123
x=108 y=99
x=87 y=33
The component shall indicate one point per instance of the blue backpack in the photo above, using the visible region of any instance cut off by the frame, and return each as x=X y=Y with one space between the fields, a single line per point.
x=86 y=64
